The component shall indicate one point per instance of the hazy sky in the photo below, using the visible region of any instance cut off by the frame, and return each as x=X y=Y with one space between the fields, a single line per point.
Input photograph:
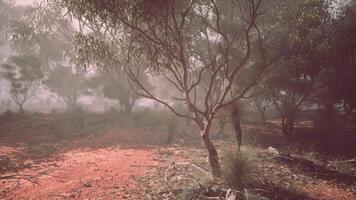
x=24 y=2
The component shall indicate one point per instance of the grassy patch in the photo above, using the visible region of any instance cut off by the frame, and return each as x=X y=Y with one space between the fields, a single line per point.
x=238 y=169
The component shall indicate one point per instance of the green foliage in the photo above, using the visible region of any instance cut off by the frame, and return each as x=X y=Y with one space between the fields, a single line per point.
x=24 y=73
x=42 y=30
x=113 y=83
x=66 y=84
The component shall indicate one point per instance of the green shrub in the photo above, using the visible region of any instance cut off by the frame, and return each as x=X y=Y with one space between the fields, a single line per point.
x=237 y=169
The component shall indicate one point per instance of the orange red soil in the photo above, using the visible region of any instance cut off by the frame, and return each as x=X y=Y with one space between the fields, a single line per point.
x=106 y=173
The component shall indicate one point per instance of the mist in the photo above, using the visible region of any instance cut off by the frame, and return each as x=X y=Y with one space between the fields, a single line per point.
x=249 y=99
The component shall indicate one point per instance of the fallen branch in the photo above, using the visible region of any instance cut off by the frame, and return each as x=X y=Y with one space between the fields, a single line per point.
x=8 y=176
x=196 y=167
x=348 y=161
x=318 y=170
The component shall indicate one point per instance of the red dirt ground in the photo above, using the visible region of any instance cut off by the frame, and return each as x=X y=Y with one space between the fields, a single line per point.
x=97 y=174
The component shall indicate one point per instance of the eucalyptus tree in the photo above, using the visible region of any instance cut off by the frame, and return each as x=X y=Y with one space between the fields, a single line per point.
x=261 y=102
x=300 y=41
x=187 y=42
x=24 y=74
x=43 y=30
x=67 y=84
x=112 y=83
x=339 y=71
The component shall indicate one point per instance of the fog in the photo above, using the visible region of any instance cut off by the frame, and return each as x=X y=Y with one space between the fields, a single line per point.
x=116 y=99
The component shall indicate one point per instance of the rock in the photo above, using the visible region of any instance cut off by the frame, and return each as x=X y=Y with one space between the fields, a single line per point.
x=272 y=150
x=230 y=195
x=87 y=184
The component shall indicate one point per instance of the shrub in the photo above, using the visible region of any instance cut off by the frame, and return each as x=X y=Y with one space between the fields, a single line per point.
x=237 y=169
x=7 y=115
x=63 y=128
x=70 y=123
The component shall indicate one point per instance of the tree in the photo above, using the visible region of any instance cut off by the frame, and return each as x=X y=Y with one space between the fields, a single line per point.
x=68 y=85
x=188 y=43
x=24 y=74
x=339 y=73
x=299 y=40
x=113 y=84
x=43 y=31
x=262 y=103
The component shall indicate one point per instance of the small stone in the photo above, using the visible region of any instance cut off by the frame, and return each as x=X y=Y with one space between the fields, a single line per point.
x=87 y=184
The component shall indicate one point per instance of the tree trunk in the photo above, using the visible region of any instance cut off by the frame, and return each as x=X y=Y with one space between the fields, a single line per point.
x=291 y=125
x=284 y=126
x=288 y=127
x=204 y=127
x=21 y=108
x=263 y=118
x=128 y=109
x=329 y=124
x=236 y=122
x=212 y=154
x=222 y=123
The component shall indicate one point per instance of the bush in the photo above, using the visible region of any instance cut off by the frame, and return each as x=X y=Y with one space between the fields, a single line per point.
x=10 y=115
x=237 y=169
x=70 y=123
x=7 y=115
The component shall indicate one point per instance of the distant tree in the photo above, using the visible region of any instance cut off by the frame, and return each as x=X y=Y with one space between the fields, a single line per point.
x=24 y=74
x=68 y=85
x=339 y=71
x=298 y=38
x=113 y=83
x=43 y=31
x=261 y=102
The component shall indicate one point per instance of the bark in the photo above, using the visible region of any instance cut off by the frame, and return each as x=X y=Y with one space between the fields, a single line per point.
x=222 y=123
x=284 y=125
x=128 y=108
x=171 y=134
x=262 y=111
x=263 y=118
x=329 y=124
x=212 y=154
x=288 y=127
x=21 y=108
x=236 y=122
x=291 y=125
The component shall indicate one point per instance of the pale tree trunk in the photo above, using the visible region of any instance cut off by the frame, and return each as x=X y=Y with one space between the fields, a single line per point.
x=262 y=111
x=21 y=111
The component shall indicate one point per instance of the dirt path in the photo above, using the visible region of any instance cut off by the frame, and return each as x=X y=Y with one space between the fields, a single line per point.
x=107 y=173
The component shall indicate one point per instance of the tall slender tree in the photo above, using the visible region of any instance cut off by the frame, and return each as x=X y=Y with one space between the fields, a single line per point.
x=189 y=43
